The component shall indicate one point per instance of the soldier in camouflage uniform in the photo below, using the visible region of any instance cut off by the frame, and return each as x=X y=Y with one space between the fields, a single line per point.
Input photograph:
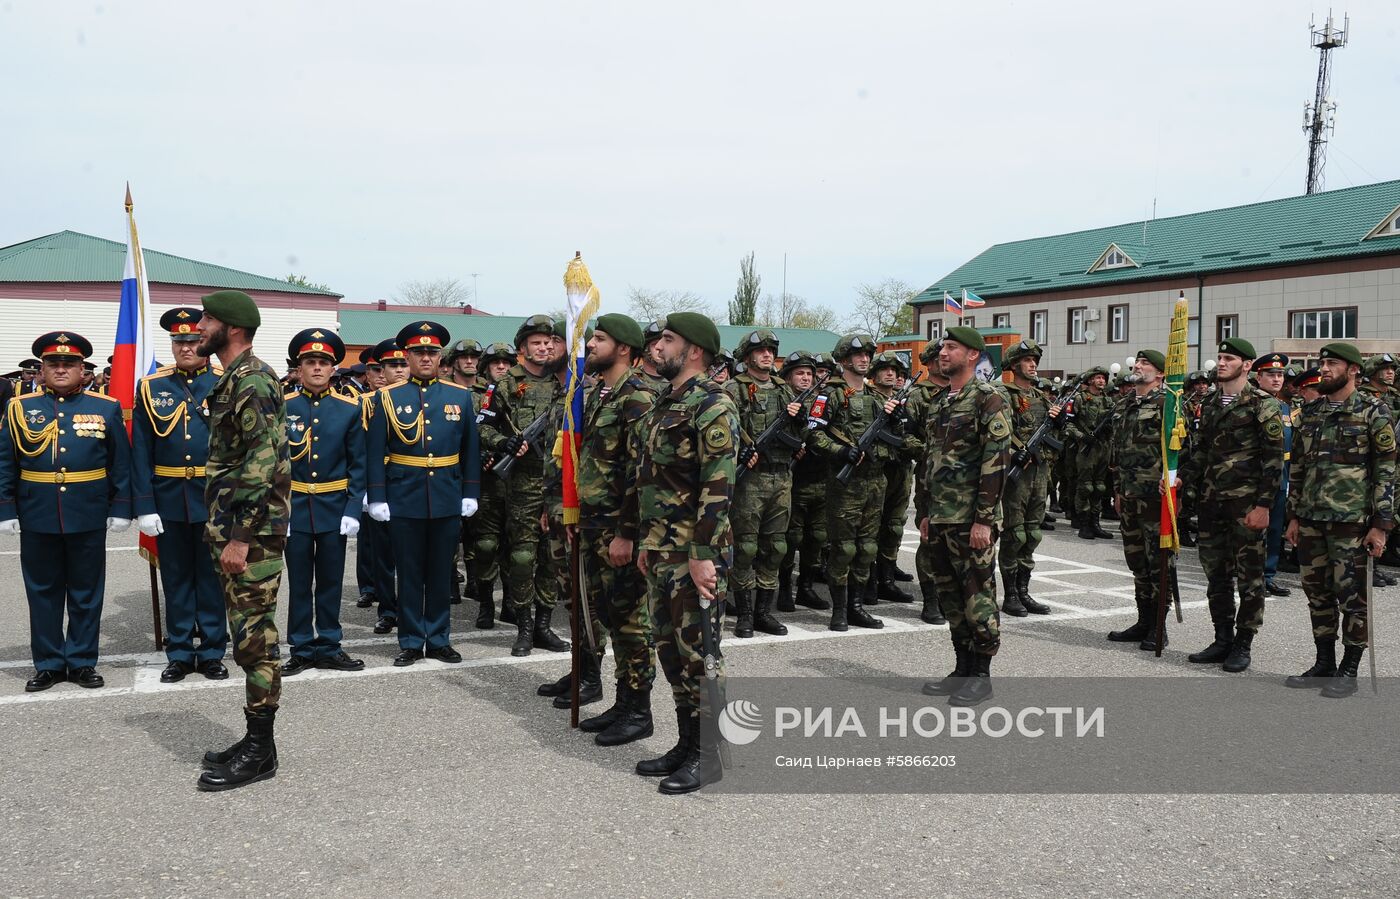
x=1378 y=380
x=462 y=362
x=1089 y=428
x=1234 y=474
x=684 y=491
x=1341 y=507
x=1271 y=372
x=807 y=520
x=248 y=485
x=763 y=496
x=853 y=508
x=920 y=399
x=1196 y=387
x=1135 y=454
x=489 y=524
x=967 y=434
x=1023 y=502
x=886 y=371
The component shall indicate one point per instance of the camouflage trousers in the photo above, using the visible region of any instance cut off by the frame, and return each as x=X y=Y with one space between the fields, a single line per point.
x=963 y=578
x=1091 y=480
x=1333 y=562
x=531 y=570
x=251 y=600
x=759 y=517
x=618 y=602
x=853 y=524
x=1022 y=512
x=488 y=527
x=899 y=486
x=1232 y=555
x=679 y=634
x=807 y=524
x=1141 y=523
x=1067 y=486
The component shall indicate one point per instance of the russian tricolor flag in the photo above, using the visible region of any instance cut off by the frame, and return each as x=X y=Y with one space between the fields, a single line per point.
x=951 y=304
x=133 y=357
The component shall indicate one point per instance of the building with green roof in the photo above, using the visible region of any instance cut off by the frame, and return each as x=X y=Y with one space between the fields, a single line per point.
x=1288 y=275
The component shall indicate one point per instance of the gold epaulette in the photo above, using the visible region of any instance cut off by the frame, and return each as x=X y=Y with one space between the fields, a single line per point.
x=291 y=395
x=102 y=396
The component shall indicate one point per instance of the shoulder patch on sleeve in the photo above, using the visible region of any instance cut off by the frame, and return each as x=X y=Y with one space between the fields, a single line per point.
x=717 y=436
x=1385 y=440
x=998 y=427
x=1273 y=428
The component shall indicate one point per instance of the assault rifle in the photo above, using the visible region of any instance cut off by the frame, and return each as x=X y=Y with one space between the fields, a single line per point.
x=778 y=430
x=877 y=431
x=1042 y=436
x=529 y=437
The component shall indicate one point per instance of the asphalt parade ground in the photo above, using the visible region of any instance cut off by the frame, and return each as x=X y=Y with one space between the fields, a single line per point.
x=459 y=780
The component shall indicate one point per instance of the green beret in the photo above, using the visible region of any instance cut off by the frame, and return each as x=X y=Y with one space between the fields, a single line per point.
x=968 y=337
x=232 y=307
x=695 y=328
x=1236 y=346
x=1159 y=361
x=1344 y=351
x=621 y=328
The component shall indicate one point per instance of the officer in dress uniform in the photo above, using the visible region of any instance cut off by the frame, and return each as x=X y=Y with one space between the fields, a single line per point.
x=65 y=477
x=424 y=469
x=369 y=377
x=170 y=445
x=327 y=445
x=29 y=377
x=392 y=361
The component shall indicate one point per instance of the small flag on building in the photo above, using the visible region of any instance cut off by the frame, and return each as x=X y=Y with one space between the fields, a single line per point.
x=950 y=304
x=971 y=300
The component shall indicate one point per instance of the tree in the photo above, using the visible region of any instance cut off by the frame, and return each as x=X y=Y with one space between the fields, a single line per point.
x=793 y=311
x=745 y=303
x=649 y=305
x=303 y=281
x=883 y=309
x=437 y=292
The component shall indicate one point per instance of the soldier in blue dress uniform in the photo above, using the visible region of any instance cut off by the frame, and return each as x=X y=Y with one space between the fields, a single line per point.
x=65 y=480
x=424 y=471
x=169 y=446
x=327 y=442
x=392 y=363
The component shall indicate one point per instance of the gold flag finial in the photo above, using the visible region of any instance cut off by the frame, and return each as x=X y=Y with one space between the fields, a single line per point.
x=128 y=197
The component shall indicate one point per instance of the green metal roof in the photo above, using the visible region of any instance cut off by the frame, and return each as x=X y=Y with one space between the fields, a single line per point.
x=1329 y=225
x=70 y=256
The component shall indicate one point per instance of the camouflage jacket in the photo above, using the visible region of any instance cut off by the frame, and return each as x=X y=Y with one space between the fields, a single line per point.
x=760 y=403
x=686 y=480
x=1344 y=463
x=920 y=398
x=248 y=476
x=612 y=454
x=1089 y=414
x=1135 y=450
x=1028 y=407
x=913 y=449
x=849 y=411
x=1237 y=461
x=967 y=435
x=520 y=398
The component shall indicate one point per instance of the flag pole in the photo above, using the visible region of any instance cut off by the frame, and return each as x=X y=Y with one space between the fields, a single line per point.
x=147 y=544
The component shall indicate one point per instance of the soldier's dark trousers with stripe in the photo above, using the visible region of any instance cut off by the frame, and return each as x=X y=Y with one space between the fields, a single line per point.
x=192 y=595
x=1232 y=556
x=64 y=572
x=380 y=547
x=1333 y=562
x=315 y=578
x=424 y=553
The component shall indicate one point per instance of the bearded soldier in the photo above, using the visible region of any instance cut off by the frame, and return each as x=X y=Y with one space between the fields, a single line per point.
x=1235 y=472
x=1340 y=507
x=1023 y=503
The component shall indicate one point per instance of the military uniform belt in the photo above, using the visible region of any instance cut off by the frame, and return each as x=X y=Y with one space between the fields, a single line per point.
x=63 y=477
x=321 y=486
x=175 y=471
x=424 y=461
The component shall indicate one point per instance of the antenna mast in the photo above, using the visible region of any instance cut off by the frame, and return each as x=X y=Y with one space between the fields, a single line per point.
x=1320 y=116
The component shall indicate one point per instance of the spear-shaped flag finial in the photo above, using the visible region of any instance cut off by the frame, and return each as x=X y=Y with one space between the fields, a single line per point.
x=128 y=197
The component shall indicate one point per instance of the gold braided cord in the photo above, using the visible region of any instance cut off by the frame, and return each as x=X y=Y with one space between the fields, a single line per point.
x=399 y=429
x=300 y=447
x=38 y=441
x=157 y=418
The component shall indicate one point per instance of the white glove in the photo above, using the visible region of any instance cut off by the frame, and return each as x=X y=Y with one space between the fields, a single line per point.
x=150 y=525
x=117 y=525
x=364 y=503
x=9 y=526
x=468 y=508
x=349 y=527
x=378 y=511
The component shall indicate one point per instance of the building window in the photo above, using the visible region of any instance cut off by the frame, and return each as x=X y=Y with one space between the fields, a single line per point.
x=1078 y=318
x=1001 y=320
x=1117 y=324
x=1114 y=258
x=1193 y=331
x=1324 y=324
x=1226 y=326
x=935 y=329
x=968 y=321
x=1040 y=326
x=1395 y=225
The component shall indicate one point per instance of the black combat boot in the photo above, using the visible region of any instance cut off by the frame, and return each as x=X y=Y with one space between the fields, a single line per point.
x=977 y=686
x=806 y=596
x=1011 y=595
x=868 y=594
x=688 y=725
x=486 y=608
x=763 y=620
x=544 y=636
x=1344 y=683
x=1149 y=642
x=886 y=588
x=1135 y=632
x=1098 y=529
x=590 y=684
x=838 y=607
x=932 y=612
x=1239 y=653
x=1324 y=668
x=702 y=764
x=743 y=602
x=507 y=602
x=1219 y=649
x=632 y=723
x=1086 y=531
x=1048 y=522
x=1023 y=583
x=256 y=760
x=855 y=610
x=556 y=687
x=962 y=667
x=602 y=721
x=524 y=632
x=784 y=600
x=903 y=577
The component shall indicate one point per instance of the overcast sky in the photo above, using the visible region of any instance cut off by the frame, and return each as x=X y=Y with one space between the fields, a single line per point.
x=367 y=144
